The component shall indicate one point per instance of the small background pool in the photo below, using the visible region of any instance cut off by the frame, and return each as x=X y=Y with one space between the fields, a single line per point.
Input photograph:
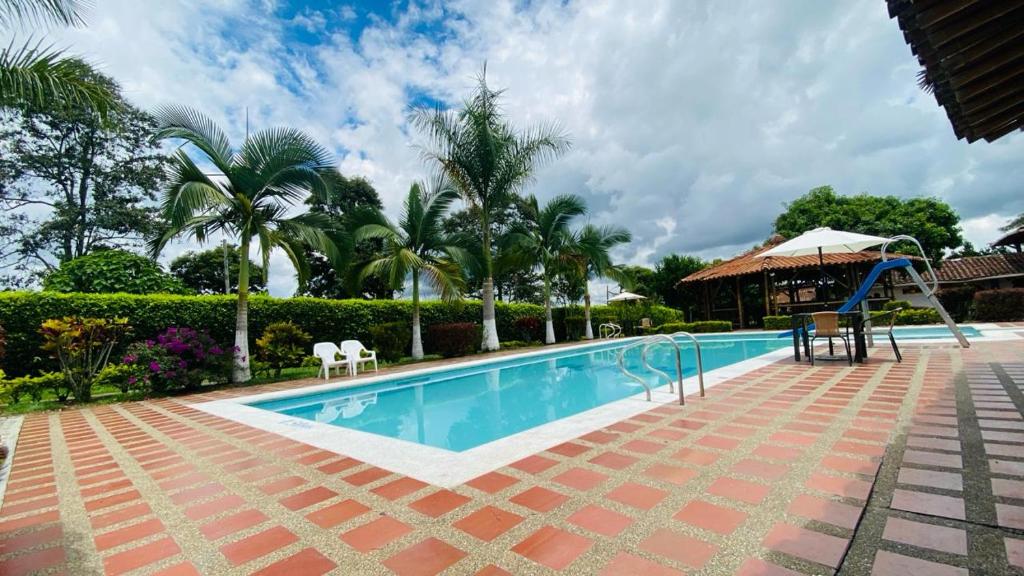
x=461 y=408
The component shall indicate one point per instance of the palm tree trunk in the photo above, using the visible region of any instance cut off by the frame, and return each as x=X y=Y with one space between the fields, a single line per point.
x=549 y=324
x=417 y=340
x=240 y=367
x=588 y=329
x=490 y=337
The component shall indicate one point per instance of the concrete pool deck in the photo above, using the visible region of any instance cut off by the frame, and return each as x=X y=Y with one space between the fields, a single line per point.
x=881 y=468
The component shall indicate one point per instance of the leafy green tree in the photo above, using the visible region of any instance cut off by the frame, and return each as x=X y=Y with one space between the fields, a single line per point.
x=547 y=241
x=931 y=221
x=415 y=247
x=326 y=281
x=593 y=256
x=640 y=280
x=71 y=182
x=203 y=271
x=514 y=278
x=667 y=274
x=262 y=183
x=34 y=74
x=108 y=271
x=488 y=161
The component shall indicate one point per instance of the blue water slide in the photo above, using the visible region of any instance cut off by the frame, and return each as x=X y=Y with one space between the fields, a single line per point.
x=865 y=287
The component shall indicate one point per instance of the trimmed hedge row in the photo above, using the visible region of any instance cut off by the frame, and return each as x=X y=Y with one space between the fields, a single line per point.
x=777 y=322
x=1002 y=305
x=703 y=326
x=907 y=317
x=21 y=314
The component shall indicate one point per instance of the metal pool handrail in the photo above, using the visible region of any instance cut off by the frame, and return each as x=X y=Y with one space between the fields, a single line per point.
x=700 y=364
x=660 y=339
x=614 y=330
x=622 y=366
x=647 y=343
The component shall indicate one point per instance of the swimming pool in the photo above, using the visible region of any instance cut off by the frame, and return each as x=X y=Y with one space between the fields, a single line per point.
x=461 y=408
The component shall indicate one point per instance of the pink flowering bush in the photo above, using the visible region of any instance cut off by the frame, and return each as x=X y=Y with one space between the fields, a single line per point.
x=180 y=358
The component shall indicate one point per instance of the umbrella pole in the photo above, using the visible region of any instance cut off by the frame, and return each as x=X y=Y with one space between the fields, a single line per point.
x=824 y=284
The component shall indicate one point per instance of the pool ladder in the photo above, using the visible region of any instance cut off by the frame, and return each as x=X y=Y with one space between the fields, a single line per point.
x=609 y=330
x=654 y=340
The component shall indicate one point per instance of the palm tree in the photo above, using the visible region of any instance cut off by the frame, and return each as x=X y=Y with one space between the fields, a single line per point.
x=488 y=161
x=416 y=246
x=593 y=246
x=548 y=242
x=250 y=200
x=35 y=74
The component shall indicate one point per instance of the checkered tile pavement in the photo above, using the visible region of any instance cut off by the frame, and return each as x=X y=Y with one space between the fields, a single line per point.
x=882 y=468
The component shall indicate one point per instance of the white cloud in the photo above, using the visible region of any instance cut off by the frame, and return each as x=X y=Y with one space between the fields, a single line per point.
x=706 y=115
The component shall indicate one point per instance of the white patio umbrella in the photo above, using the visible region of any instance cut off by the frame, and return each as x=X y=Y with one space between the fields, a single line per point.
x=626 y=296
x=823 y=241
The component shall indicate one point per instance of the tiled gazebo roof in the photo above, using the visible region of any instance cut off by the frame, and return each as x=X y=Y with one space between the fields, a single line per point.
x=747 y=263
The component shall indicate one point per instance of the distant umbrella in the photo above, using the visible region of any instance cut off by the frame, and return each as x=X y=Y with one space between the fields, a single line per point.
x=626 y=296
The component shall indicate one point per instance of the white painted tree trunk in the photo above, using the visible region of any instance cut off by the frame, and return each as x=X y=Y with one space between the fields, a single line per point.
x=587 y=328
x=490 y=340
x=417 y=339
x=240 y=367
x=549 y=324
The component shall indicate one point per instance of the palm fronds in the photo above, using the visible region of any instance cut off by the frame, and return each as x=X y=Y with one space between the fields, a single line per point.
x=41 y=12
x=38 y=75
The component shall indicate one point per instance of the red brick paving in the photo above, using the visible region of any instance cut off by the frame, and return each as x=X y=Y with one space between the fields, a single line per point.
x=661 y=493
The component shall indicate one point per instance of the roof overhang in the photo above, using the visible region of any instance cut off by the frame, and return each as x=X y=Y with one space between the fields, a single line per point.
x=972 y=52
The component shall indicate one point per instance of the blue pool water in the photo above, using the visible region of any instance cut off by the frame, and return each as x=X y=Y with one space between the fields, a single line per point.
x=461 y=408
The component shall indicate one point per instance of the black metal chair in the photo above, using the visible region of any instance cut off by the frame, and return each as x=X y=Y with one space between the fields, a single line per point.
x=892 y=322
x=826 y=325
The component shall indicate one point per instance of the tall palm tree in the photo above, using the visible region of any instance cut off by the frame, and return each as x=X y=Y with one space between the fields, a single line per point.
x=259 y=184
x=547 y=240
x=488 y=161
x=416 y=246
x=36 y=74
x=593 y=245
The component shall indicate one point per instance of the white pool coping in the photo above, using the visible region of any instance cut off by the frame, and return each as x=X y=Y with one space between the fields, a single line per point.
x=10 y=428
x=445 y=468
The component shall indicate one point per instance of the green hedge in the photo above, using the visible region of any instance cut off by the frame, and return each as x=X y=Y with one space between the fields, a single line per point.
x=894 y=304
x=703 y=326
x=777 y=323
x=21 y=314
x=1001 y=305
x=906 y=317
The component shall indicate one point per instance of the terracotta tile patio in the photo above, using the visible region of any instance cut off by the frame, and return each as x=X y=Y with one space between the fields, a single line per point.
x=882 y=468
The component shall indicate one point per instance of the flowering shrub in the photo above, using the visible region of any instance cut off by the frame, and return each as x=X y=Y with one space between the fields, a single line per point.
x=179 y=358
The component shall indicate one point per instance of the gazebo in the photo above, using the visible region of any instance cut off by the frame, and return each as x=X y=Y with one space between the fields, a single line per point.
x=1014 y=238
x=744 y=289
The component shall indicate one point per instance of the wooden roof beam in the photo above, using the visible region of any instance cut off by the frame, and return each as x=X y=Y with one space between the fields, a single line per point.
x=985 y=13
x=987 y=66
x=1012 y=87
x=942 y=10
x=986 y=86
x=995 y=123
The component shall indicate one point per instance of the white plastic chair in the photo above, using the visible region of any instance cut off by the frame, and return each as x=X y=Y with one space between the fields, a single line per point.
x=328 y=353
x=354 y=354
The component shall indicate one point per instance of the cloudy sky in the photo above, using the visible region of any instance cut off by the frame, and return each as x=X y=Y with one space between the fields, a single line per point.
x=692 y=121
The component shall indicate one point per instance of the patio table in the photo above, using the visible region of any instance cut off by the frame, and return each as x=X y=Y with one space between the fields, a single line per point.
x=800 y=321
